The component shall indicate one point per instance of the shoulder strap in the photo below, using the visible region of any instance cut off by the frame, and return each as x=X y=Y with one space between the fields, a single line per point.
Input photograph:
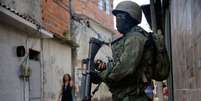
x=96 y=89
x=117 y=40
x=150 y=43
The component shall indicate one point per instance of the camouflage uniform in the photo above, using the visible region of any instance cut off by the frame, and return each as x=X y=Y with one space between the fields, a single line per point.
x=124 y=77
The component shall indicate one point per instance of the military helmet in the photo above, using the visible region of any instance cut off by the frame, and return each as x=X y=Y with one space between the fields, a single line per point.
x=133 y=9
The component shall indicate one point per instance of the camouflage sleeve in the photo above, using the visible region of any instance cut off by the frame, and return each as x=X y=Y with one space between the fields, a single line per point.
x=104 y=74
x=130 y=58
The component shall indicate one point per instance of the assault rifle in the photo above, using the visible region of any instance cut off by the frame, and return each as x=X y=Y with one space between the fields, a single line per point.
x=90 y=74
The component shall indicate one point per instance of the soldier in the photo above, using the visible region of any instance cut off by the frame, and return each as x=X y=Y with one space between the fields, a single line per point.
x=125 y=77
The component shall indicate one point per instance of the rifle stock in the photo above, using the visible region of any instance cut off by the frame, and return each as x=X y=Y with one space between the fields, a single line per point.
x=94 y=46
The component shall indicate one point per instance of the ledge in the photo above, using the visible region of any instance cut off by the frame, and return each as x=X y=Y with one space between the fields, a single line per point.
x=63 y=40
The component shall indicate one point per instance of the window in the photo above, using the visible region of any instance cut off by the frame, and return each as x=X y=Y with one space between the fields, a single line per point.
x=100 y=5
x=107 y=4
x=34 y=55
x=104 y=5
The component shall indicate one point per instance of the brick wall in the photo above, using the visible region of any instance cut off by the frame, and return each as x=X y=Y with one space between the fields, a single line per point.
x=90 y=9
x=55 y=16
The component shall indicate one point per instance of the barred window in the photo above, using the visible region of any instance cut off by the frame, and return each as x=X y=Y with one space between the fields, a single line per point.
x=107 y=2
x=100 y=5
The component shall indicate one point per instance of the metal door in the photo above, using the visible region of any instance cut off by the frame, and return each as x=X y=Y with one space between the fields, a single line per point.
x=35 y=81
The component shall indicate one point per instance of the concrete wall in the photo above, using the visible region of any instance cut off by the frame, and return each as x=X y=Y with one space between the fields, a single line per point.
x=57 y=62
x=82 y=34
x=47 y=72
x=11 y=86
x=53 y=15
x=31 y=8
x=186 y=54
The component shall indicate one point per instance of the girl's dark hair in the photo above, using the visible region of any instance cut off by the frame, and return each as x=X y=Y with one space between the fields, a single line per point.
x=64 y=81
x=68 y=77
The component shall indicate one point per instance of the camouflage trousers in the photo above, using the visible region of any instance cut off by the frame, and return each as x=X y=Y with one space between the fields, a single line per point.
x=132 y=98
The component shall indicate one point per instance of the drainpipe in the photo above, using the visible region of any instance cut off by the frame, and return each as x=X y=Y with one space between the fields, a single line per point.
x=153 y=16
x=154 y=28
x=42 y=66
x=73 y=49
x=70 y=32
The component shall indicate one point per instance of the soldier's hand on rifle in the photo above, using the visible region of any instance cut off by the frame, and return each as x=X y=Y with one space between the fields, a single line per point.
x=100 y=65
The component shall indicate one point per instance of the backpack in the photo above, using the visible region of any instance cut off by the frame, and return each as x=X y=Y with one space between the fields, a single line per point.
x=160 y=63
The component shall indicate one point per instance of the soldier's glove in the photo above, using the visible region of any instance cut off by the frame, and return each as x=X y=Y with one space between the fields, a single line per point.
x=100 y=65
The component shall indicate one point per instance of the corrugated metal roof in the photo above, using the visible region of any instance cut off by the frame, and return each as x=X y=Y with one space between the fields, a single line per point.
x=28 y=18
x=12 y=17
